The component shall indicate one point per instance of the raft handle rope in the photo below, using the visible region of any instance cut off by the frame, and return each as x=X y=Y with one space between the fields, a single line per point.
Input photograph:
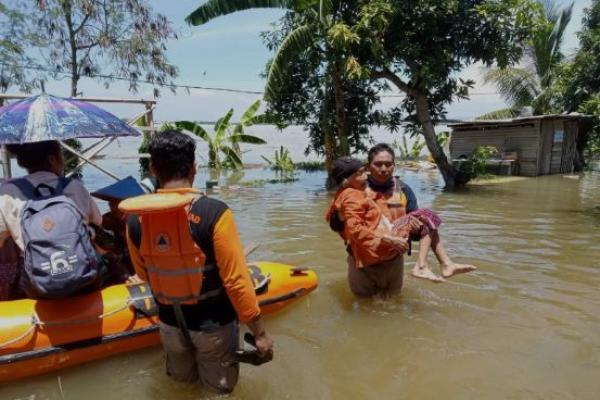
x=36 y=322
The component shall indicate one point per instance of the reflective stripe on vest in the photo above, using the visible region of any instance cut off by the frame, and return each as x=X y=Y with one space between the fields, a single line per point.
x=200 y=297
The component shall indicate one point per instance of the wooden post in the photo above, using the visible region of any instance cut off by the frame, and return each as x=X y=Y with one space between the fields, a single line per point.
x=149 y=118
x=5 y=158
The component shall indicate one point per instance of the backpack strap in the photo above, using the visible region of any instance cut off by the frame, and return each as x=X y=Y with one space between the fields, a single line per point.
x=62 y=184
x=25 y=187
x=33 y=192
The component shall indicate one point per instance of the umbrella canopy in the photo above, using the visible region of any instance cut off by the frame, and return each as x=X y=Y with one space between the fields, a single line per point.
x=46 y=117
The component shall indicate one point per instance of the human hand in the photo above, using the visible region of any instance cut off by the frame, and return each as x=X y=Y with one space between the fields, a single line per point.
x=264 y=344
x=399 y=243
x=415 y=224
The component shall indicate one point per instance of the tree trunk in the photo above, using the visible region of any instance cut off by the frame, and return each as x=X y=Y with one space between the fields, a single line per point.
x=341 y=117
x=73 y=44
x=452 y=176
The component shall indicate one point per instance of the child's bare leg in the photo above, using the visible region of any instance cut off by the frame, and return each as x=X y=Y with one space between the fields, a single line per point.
x=421 y=269
x=448 y=267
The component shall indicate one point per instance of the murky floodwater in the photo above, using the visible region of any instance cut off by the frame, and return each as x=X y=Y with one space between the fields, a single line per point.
x=525 y=326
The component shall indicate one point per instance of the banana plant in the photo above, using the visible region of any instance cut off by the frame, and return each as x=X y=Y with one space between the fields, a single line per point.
x=224 y=144
x=322 y=29
x=281 y=161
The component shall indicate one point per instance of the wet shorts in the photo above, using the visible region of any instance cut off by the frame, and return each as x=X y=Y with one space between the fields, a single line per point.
x=207 y=359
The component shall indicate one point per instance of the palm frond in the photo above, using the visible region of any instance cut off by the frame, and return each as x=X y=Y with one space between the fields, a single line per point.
x=505 y=113
x=216 y=8
x=325 y=10
x=560 y=27
x=243 y=138
x=296 y=42
x=194 y=128
x=248 y=116
x=517 y=86
x=547 y=39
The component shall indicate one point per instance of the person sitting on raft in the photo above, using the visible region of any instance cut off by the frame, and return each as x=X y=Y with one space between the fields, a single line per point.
x=353 y=206
x=45 y=164
x=196 y=269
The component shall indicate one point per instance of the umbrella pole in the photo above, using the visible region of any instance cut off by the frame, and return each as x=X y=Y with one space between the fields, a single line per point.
x=5 y=159
x=87 y=160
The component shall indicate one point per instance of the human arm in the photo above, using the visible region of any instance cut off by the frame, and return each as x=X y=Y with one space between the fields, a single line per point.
x=84 y=201
x=236 y=279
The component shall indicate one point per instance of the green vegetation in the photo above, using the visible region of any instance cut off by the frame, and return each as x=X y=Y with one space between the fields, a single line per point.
x=281 y=161
x=223 y=145
x=477 y=165
x=533 y=81
x=406 y=153
x=310 y=166
x=579 y=88
x=336 y=49
x=98 y=39
x=263 y=182
x=16 y=36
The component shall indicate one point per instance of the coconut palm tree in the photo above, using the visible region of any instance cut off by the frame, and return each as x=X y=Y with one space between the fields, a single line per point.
x=530 y=83
x=227 y=137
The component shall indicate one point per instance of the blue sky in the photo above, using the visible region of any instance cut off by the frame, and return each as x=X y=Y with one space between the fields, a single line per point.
x=228 y=52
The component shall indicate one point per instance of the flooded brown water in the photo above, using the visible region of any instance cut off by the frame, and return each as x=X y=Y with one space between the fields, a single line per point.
x=526 y=325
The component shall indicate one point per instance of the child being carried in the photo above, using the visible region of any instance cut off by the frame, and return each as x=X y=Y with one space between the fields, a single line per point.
x=419 y=225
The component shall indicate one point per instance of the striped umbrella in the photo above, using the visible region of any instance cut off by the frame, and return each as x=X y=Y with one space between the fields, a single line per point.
x=46 y=117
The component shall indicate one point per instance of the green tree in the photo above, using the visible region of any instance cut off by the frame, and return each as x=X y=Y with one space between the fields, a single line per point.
x=16 y=36
x=100 y=39
x=421 y=49
x=308 y=78
x=581 y=78
x=223 y=145
x=86 y=38
x=532 y=82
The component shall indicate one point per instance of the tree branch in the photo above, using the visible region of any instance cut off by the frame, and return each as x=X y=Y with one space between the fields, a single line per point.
x=87 y=16
x=395 y=79
x=88 y=46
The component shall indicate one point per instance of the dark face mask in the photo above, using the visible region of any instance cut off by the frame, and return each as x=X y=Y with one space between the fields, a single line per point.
x=381 y=187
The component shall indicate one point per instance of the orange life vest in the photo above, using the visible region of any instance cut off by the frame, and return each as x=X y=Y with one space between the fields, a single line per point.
x=175 y=265
x=392 y=207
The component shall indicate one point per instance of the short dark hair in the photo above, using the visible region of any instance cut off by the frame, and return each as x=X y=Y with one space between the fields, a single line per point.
x=172 y=155
x=34 y=156
x=378 y=148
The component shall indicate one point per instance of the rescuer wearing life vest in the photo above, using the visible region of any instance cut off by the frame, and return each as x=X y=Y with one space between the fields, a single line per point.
x=186 y=246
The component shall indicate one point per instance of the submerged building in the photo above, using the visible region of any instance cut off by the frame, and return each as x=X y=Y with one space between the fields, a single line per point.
x=528 y=146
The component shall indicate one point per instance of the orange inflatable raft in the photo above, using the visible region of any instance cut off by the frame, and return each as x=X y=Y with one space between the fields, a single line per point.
x=46 y=335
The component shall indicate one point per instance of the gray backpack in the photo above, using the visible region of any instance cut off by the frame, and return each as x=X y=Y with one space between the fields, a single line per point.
x=59 y=257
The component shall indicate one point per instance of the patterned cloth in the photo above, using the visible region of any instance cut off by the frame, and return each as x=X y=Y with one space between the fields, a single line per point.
x=10 y=268
x=430 y=220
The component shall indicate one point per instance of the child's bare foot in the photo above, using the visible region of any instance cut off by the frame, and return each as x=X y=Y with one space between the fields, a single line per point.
x=423 y=272
x=450 y=269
